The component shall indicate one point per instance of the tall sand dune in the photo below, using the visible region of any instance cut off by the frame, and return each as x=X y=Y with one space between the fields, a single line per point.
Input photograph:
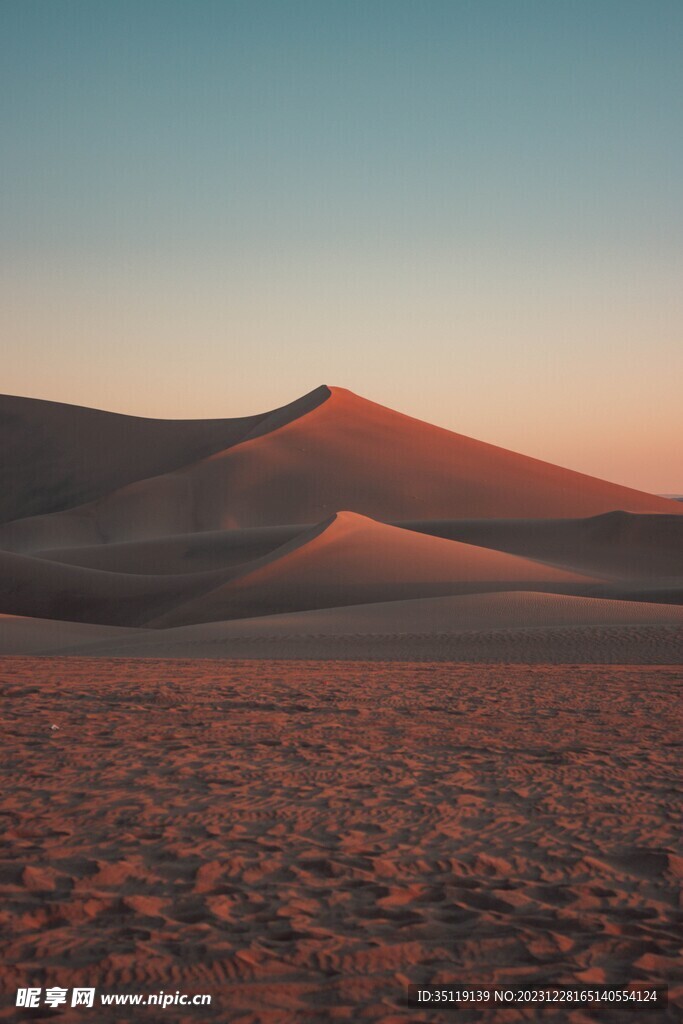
x=333 y=450
x=56 y=456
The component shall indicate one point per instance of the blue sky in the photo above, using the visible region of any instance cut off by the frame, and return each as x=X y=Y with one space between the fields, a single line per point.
x=470 y=211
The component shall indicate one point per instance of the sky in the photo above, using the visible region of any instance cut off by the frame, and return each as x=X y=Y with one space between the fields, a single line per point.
x=467 y=210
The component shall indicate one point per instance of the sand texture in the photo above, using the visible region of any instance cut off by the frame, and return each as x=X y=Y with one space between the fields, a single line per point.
x=302 y=840
x=301 y=708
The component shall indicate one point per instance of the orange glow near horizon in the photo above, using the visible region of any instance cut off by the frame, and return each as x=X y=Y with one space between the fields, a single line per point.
x=467 y=212
x=594 y=387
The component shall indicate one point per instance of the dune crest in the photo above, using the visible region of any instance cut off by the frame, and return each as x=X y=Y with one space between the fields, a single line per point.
x=351 y=559
x=58 y=456
x=215 y=521
x=331 y=450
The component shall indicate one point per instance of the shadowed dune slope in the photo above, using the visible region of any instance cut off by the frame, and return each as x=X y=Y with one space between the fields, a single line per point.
x=341 y=451
x=354 y=629
x=188 y=552
x=37 y=588
x=498 y=610
x=56 y=456
x=351 y=559
x=616 y=545
x=20 y=634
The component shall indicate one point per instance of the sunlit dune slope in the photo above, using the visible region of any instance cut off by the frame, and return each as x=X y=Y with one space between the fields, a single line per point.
x=617 y=546
x=343 y=452
x=351 y=559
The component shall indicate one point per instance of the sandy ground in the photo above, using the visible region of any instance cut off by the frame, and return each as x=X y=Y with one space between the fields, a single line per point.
x=301 y=840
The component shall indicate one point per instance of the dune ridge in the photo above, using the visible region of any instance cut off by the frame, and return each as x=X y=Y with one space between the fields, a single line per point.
x=56 y=456
x=615 y=545
x=335 y=451
x=351 y=559
x=329 y=502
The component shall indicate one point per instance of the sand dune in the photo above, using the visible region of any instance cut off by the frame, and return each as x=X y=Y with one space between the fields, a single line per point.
x=452 y=614
x=351 y=559
x=341 y=451
x=209 y=521
x=188 y=552
x=303 y=838
x=56 y=456
x=37 y=588
x=646 y=550
x=616 y=545
x=490 y=626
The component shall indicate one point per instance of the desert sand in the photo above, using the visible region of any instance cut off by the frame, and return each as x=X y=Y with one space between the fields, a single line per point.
x=303 y=707
x=330 y=502
x=354 y=560
x=302 y=840
x=498 y=627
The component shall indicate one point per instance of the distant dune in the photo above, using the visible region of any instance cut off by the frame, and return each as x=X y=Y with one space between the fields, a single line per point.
x=56 y=456
x=332 y=450
x=331 y=517
x=614 y=545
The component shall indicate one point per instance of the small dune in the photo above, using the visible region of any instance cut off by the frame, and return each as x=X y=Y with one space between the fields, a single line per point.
x=352 y=559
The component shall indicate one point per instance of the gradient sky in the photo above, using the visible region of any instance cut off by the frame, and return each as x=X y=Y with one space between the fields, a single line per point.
x=468 y=211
